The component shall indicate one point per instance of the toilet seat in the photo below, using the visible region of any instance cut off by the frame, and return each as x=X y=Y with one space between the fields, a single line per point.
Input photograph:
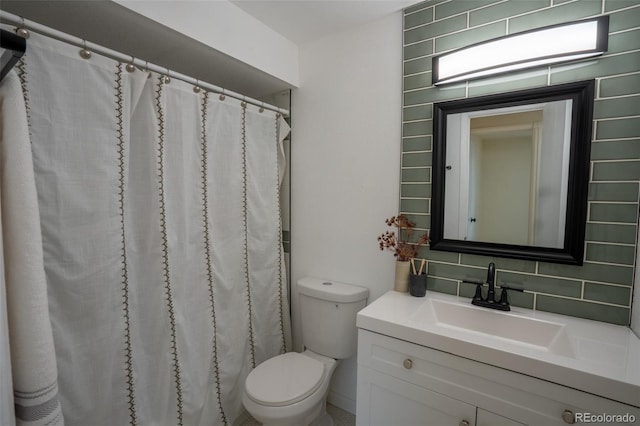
x=284 y=380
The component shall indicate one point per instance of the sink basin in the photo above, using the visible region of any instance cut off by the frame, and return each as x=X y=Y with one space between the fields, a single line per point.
x=523 y=330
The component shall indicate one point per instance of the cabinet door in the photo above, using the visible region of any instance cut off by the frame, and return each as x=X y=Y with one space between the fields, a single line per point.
x=487 y=418
x=384 y=400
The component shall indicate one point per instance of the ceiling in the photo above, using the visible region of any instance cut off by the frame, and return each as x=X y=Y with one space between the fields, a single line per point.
x=301 y=21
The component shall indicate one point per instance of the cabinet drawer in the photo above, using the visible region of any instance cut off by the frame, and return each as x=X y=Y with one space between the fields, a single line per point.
x=390 y=401
x=516 y=396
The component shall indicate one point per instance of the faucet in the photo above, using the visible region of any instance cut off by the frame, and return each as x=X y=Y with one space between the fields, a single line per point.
x=490 y=301
x=491 y=280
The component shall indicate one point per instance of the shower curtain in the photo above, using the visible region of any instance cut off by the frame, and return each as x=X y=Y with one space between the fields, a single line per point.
x=161 y=231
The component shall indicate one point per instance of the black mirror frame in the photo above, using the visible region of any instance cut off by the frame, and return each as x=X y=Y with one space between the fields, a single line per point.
x=582 y=94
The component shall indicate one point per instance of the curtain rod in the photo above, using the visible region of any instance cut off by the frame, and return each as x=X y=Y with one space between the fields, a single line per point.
x=20 y=22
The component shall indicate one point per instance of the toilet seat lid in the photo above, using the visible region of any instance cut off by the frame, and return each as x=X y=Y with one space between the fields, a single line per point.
x=284 y=379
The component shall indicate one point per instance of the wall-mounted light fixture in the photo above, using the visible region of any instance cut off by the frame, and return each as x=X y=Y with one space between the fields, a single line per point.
x=528 y=49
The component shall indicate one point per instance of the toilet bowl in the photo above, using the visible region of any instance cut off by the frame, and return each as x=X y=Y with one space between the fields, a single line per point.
x=291 y=389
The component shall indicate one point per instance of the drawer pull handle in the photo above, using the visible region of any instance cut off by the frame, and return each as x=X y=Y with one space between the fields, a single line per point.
x=407 y=363
x=463 y=423
x=567 y=416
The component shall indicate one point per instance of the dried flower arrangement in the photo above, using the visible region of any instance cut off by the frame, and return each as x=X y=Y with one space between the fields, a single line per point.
x=398 y=244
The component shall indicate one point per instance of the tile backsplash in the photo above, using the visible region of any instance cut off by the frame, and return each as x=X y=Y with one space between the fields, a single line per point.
x=602 y=288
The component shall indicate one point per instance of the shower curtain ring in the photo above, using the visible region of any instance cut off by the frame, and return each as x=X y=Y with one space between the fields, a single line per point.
x=84 y=52
x=243 y=104
x=196 y=88
x=130 y=66
x=222 y=96
x=261 y=107
x=22 y=31
x=166 y=79
x=146 y=69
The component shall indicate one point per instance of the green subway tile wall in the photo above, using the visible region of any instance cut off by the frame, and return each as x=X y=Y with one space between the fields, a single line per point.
x=601 y=289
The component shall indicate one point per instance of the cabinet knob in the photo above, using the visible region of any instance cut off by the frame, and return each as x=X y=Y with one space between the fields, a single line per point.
x=407 y=364
x=567 y=416
x=463 y=423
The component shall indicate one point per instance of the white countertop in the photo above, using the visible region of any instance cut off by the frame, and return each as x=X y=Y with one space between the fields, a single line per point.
x=595 y=357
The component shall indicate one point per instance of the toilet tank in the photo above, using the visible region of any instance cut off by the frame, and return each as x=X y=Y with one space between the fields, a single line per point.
x=328 y=314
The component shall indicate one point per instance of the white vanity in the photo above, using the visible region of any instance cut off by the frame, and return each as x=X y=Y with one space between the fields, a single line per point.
x=439 y=361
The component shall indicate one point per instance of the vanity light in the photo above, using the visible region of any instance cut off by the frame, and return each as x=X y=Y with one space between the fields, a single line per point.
x=528 y=49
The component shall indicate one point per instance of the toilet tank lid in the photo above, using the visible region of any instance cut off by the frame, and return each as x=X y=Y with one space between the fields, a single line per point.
x=332 y=291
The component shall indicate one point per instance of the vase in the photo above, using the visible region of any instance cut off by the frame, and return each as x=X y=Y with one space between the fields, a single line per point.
x=401 y=283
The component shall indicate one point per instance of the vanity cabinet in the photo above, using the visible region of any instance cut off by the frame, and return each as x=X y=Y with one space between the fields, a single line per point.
x=404 y=384
x=391 y=401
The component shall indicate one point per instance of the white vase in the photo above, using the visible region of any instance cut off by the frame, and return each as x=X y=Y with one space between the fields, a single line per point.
x=401 y=283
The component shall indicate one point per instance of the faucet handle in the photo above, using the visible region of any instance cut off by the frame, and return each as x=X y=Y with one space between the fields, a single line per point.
x=504 y=297
x=478 y=284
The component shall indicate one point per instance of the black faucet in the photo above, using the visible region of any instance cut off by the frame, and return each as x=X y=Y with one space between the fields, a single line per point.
x=491 y=280
x=490 y=301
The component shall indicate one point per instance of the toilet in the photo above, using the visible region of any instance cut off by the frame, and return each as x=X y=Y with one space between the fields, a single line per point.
x=292 y=388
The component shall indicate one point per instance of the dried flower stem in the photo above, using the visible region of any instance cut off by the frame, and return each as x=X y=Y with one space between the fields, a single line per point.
x=398 y=244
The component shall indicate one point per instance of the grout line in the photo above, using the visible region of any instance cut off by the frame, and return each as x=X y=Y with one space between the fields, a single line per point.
x=417 y=121
x=623 y=9
x=422 y=135
x=595 y=302
x=419 y=10
x=415 y=137
x=631 y=203
x=630 y=95
x=612 y=182
x=417 y=105
x=618 y=75
x=631 y=138
x=414 y=90
x=609 y=243
x=625 y=30
x=413 y=43
x=623 y=117
x=603 y=222
x=609 y=264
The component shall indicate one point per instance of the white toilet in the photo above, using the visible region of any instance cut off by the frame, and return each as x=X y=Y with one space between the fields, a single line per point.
x=291 y=389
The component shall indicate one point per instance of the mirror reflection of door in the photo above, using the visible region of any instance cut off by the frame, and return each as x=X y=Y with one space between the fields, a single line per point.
x=503 y=156
x=509 y=174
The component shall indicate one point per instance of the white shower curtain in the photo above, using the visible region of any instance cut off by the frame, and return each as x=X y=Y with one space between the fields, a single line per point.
x=162 y=239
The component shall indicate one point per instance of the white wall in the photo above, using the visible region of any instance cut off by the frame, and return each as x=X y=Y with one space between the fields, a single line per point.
x=345 y=151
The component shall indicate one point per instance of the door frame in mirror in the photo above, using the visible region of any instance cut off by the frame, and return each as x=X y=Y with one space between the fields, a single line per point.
x=572 y=252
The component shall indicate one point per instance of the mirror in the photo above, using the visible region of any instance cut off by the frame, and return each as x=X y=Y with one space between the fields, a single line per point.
x=510 y=173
